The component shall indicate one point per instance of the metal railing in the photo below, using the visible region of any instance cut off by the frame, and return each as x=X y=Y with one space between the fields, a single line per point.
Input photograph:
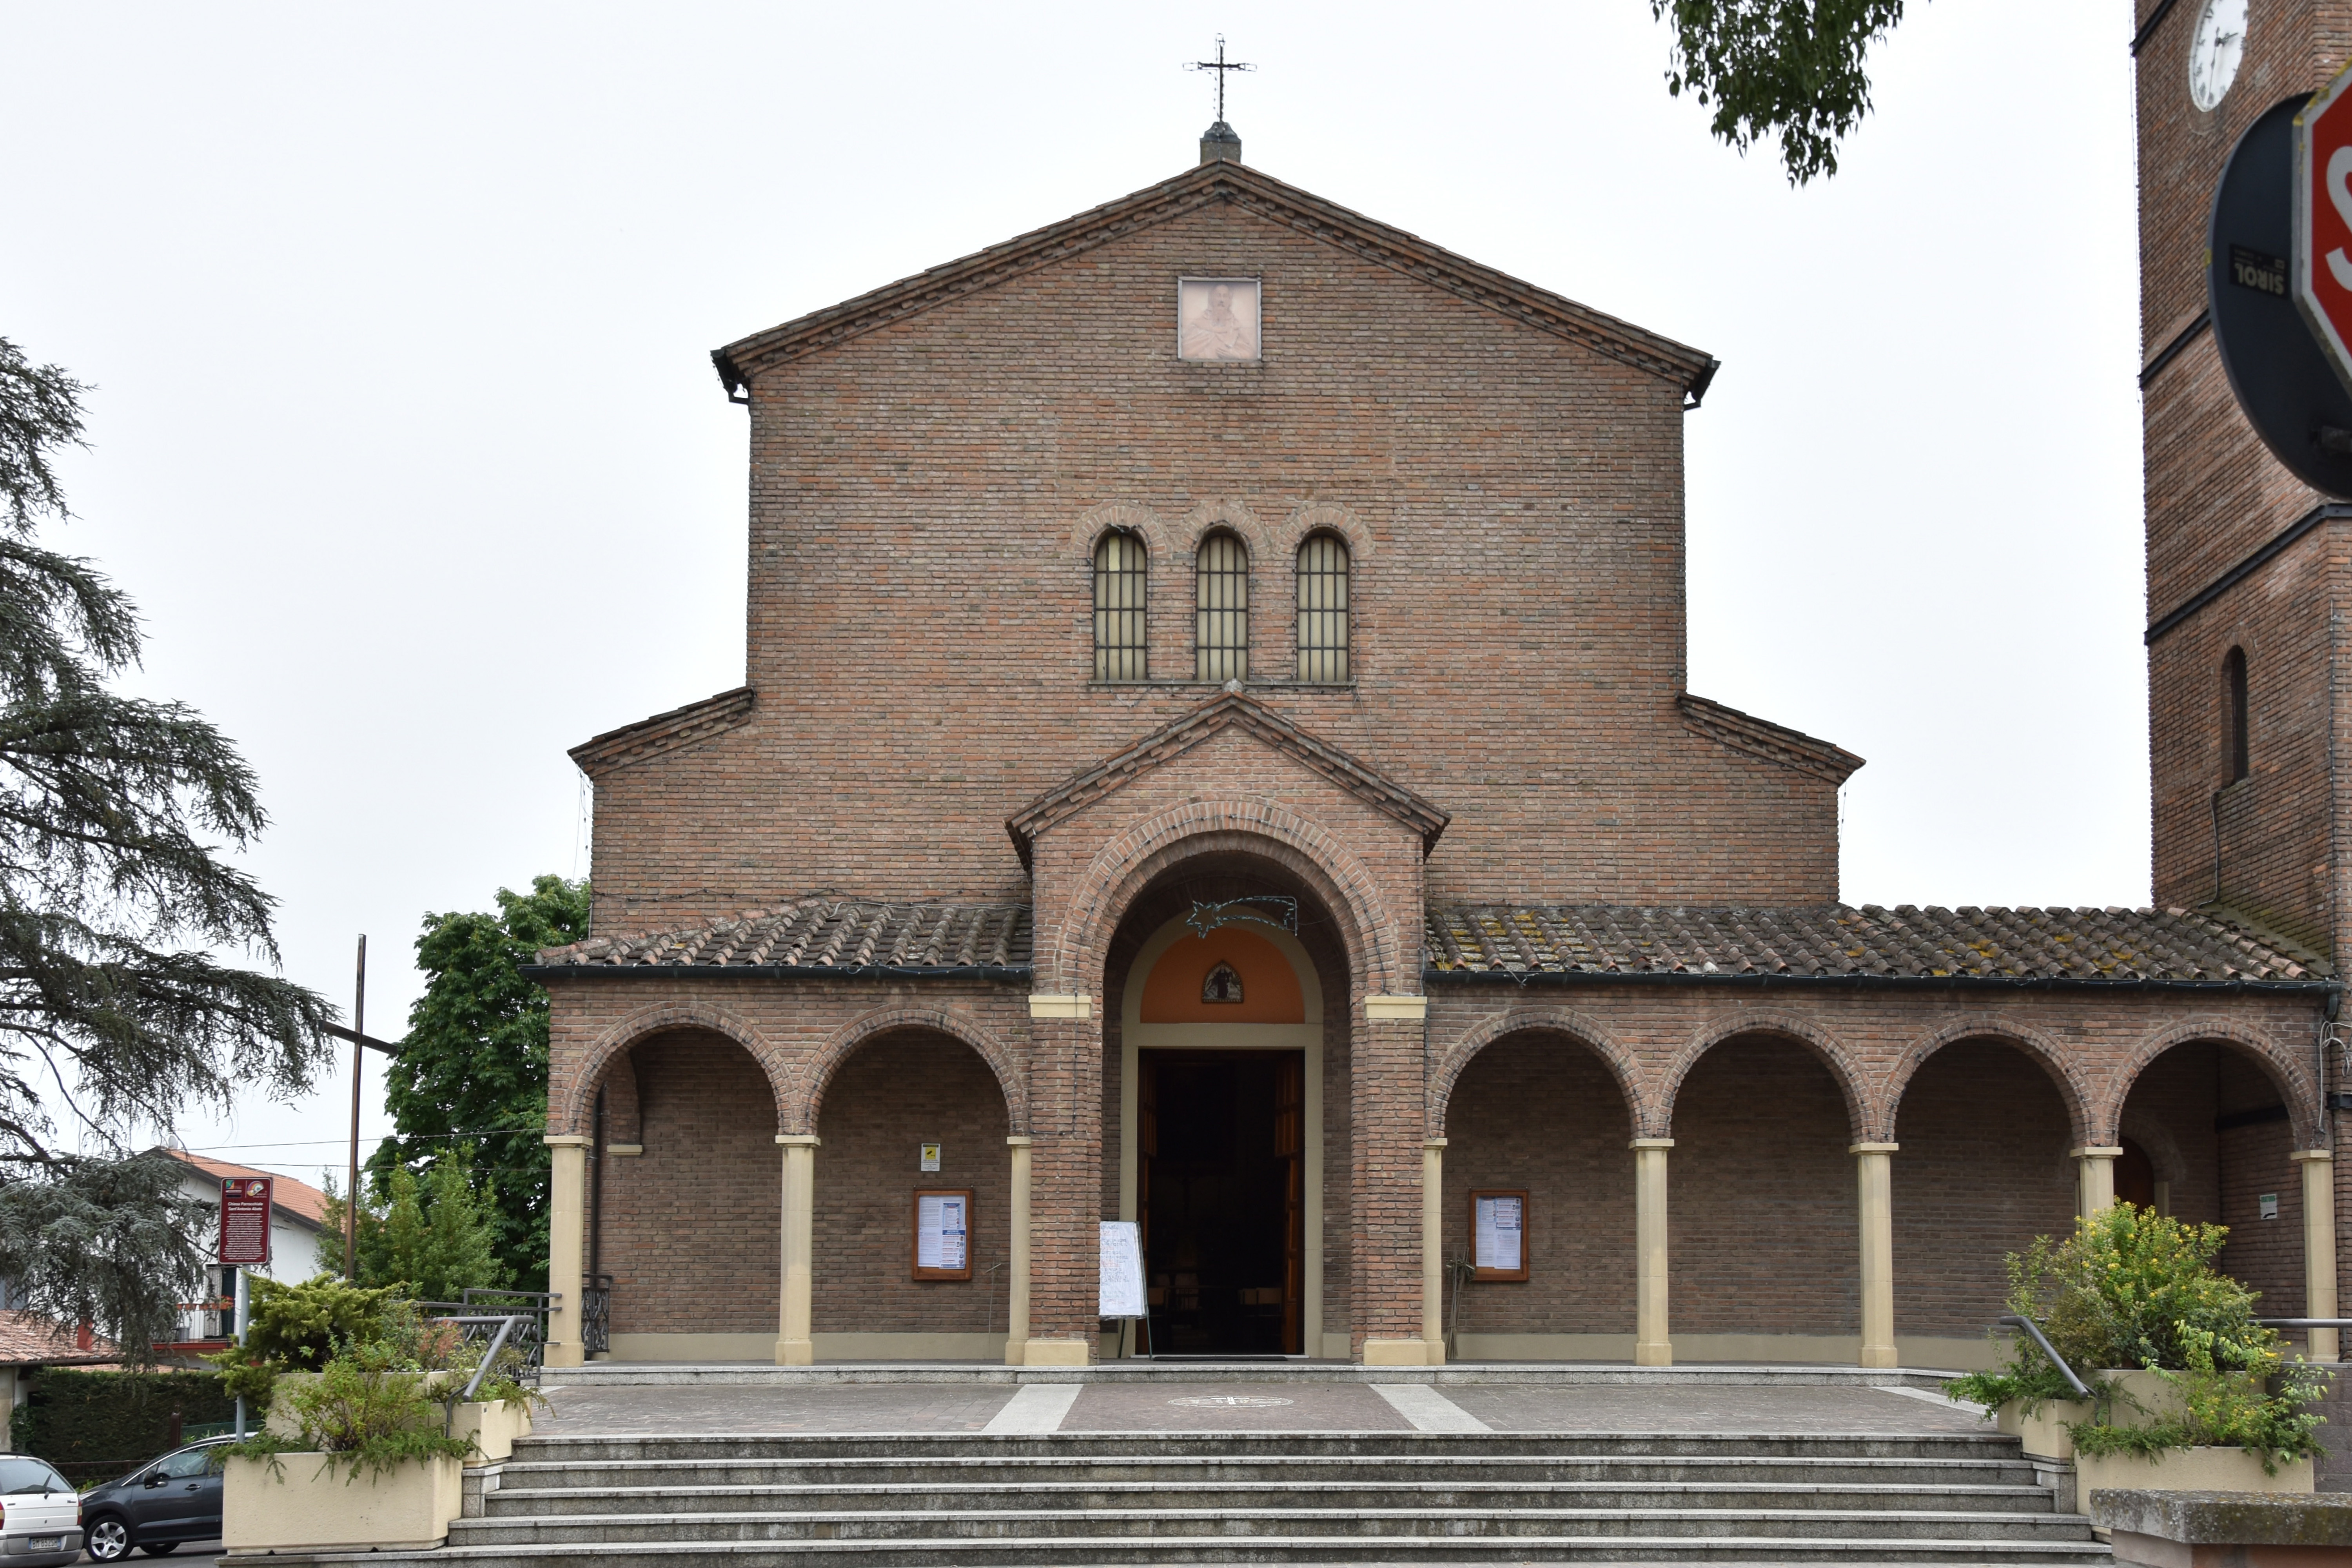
x=519 y=1332
x=596 y=1316
x=2031 y=1327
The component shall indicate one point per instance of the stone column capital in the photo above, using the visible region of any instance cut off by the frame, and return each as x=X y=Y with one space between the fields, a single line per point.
x=2300 y=1155
x=1873 y=1148
x=2096 y=1151
x=800 y=1140
x=1651 y=1143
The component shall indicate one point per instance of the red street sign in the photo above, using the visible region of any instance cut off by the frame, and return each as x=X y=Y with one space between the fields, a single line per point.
x=245 y=1220
x=2322 y=220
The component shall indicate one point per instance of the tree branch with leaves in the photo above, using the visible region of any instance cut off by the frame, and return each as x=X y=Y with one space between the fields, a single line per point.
x=116 y=908
x=1789 y=69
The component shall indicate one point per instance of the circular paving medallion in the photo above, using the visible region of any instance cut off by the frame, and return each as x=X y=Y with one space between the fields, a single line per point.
x=1228 y=1401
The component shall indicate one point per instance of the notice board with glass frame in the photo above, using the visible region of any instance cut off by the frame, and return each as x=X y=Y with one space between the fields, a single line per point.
x=1499 y=1233
x=943 y=1232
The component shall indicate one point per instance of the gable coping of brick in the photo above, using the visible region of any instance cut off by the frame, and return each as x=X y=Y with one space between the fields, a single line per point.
x=821 y=935
x=1256 y=192
x=1837 y=943
x=1761 y=738
x=663 y=731
x=1229 y=709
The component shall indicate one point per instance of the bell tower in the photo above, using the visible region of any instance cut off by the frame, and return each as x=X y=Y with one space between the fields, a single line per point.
x=2247 y=568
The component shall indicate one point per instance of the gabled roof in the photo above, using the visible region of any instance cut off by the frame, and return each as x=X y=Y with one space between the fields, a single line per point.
x=1255 y=191
x=823 y=936
x=1773 y=742
x=663 y=731
x=1834 y=942
x=28 y=1341
x=1232 y=709
x=303 y=1203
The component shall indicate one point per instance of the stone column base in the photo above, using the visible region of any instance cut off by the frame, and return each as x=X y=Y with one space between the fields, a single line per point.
x=1053 y=1353
x=1404 y=1352
x=795 y=1352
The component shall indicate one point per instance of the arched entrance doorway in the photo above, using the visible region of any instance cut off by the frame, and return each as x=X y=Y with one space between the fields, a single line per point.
x=1222 y=1034
x=1221 y=1055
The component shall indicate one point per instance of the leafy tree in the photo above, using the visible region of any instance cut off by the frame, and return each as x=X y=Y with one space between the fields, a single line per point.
x=474 y=1064
x=432 y=1236
x=1790 y=68
x=113 y=902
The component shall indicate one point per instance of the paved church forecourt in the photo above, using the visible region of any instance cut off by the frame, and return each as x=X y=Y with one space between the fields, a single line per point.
x=1214 y=753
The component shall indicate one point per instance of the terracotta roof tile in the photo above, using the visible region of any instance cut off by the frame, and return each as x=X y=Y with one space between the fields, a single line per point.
x=831 y=935
x=26 y=1340
x=1834 y=940
x=298 y=1198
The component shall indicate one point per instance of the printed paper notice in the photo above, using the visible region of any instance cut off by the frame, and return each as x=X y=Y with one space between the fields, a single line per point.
x=1500 y=1229
x=939 y=1231
x=1122 y=1271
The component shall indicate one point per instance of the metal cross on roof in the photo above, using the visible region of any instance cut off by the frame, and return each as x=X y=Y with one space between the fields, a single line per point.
x=1221 y=66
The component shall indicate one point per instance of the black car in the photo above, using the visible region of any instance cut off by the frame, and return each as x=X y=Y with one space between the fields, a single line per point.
x=157 y=1507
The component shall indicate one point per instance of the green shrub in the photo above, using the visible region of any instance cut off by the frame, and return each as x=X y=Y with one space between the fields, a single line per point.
x=94 y=1425
x=294 y=1328
x=2132 y=1289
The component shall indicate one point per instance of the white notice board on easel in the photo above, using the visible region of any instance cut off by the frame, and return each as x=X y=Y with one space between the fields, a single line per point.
x=1121 y=1290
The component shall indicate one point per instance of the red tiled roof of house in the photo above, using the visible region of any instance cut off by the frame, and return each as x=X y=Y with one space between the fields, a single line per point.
x=26 y=1340
x=299 y=1199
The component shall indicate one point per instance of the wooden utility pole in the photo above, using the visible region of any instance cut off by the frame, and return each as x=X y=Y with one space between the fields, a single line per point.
x=359 y=1058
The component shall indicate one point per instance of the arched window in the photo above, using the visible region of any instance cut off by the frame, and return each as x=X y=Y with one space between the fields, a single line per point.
x=2235 y=762
x=1221 y=609
x=1323 y=608
x=1121 y=600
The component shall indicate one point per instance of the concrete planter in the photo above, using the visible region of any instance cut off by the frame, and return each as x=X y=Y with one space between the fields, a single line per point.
x=303 y=1505
x=2044 y=1433
x=2188 y=1470
x=493 y=1428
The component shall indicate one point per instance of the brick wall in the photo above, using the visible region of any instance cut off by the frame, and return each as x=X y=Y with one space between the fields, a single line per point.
x=924 y=500
x=692 y=1230
x=892 y=1096
x=1761 y=1213
x=1983 y=1171
x=1540 y=1111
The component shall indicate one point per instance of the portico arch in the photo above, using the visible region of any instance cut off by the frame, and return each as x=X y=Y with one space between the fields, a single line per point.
x=2057 y=1063
x=805 y=1097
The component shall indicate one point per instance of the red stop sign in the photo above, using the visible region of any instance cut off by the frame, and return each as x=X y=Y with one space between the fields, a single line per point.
x=2322 y=220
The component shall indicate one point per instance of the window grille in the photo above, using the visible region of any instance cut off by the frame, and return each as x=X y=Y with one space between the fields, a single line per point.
x=1122 y=591
x=2236 y=762
x=1221 y=609
x=1323 y=608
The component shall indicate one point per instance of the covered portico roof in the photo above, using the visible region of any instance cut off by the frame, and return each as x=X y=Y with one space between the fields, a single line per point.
x=1836 y=943
x=1819 y=944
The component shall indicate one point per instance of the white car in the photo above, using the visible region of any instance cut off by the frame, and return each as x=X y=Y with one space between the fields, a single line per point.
x=40 y=1514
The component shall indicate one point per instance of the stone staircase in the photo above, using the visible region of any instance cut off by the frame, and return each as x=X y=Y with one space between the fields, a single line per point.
x=1169 y=1497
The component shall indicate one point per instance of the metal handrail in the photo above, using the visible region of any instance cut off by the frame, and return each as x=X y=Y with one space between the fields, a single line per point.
x=490 y=1356
x=2305 y=1322
x=2031 y=1327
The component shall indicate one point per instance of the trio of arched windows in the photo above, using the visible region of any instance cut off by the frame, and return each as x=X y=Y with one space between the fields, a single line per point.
x=1221 y=608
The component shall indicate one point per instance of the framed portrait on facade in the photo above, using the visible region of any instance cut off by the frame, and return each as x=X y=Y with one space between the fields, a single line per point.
x=1217 y=320
x=1499 y=1233
x=943 y=1232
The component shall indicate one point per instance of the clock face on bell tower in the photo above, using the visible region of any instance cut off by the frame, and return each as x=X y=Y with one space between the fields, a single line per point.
x=2242 y=589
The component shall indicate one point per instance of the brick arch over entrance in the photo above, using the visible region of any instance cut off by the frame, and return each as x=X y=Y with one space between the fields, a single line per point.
x=1131 y=861
x=2285 y=1066
x=1825 y=1048
x=1586 y=1032
x=804 y=1098
x=572 y=1114
x=2045 y=1052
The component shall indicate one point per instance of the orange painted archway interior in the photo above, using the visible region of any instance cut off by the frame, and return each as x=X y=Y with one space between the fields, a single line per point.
x=1270 y=991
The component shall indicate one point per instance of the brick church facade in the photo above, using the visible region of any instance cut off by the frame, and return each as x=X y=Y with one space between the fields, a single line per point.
x=1215 y=754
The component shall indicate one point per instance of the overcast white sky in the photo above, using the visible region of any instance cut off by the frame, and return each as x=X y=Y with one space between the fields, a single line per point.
x=406 y=441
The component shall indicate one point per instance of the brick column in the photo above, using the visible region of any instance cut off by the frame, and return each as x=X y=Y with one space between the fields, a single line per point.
x=2096 y=1188
x=2318 y=1247
x=1016 y=1312
x=1652 y=1345
x=1389 y=1108
x=567 y=1245
x=1065 y=1180
x=1873 y=1168
x=795 y=1344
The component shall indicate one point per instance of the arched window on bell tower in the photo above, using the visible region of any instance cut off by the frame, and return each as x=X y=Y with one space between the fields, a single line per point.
x=2236 y=762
